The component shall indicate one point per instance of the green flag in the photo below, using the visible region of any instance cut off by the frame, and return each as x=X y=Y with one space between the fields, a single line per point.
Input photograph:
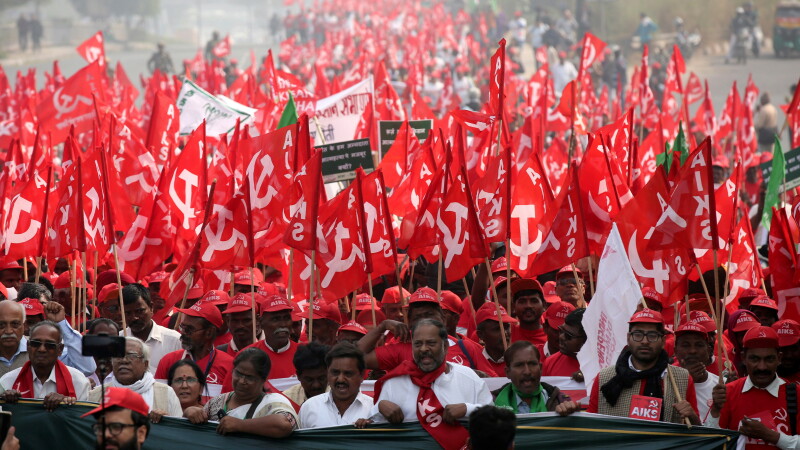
x=681 y=145
x=776 y=178
x=665 y=159
x=289 y=115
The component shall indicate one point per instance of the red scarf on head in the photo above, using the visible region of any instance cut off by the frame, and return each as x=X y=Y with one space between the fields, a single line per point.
x=430 y=411
x=24 y=381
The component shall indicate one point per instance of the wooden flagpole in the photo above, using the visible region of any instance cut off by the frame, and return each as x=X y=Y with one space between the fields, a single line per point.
x=372 y=302
x=497 y=302
x=717 y=321
x=311 y=298
x=189 y=284
x=72 y=276
x=252 y=300
x=94 y=283
x=119 y=283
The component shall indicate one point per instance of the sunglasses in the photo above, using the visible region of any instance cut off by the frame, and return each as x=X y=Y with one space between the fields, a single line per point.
x=35 y=343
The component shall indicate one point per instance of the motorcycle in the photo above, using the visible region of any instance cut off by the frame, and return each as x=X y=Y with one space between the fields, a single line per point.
x=741 y=45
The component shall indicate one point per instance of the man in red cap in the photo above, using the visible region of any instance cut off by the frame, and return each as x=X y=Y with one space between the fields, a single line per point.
x=789 y=341
x=748 y=296
x=11 y=275
x=765 y=309
x=707 y=324
x=198 y=330
x=637 y=386
x=741 y=321
x=139 y=317
x=34 y=313
x=693 y=353
x=392 y=304
x=242 y=280
x=489 y=330
x=569 y=288
x=757 y=405
x=571 y=337
x=452 y=310
x=553 y=319
x=652 y=299
x=527 y=307
x=325 y=323
x=276 y=323
x=350 y=332
x=108 y=303
x=194 y=295
x=239 y=317
x=220 y=299
x=154 y=286
x=123 y=423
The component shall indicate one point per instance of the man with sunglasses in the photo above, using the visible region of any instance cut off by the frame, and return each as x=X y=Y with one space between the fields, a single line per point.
x=44 y=376
x=123 y=422
x=571 y=338
x=570 y=288
x=638 y=385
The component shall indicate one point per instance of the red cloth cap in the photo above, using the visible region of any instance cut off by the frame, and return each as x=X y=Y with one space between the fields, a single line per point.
x=122 y=397
x=63 y=281
x=526 y=284
x=365 y=301
x=365 y=318
x=33 y=307
x=567 y=270
x=323 y=310
x=646 y=316
x=499 y=282
x=197 y=290
x=353 y=326
x=157 y=277
x=764 y=302
x=267 y=289
x=110 y=276
x=424 y=295
x=10 y=265
x=788 y=332
x=557 y=312
x=452 y=302
x=205 y=310
x=391 y=296
x=275 y=303
x=691 y=327
x=760 y=337
x=488 y=311
x=650 y=294
x=242 y=302
x=217 y=297
x=109 y=292
x=720 y=161
x=549 y=291
x=745 y=321
x=500 y=265
x=295 y=312
x=243 y=277
x=704 y=320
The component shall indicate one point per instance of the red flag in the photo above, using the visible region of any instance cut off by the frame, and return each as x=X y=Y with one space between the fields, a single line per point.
x=302 y=230
x=397 y=159
x=492 y=197
x=24 y=220
x=187 y=189
x=164 y=129
x=378 y=223
x=223 y=47
x=745 y=268
x=591 y=52
x=727 y=121
x=497 y=80
x=782 y=265
x=225 y=243
x=93 y=49
x=694 y=89
x=71 y=104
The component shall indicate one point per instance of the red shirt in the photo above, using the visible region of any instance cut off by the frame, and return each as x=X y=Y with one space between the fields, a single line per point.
x=222 y=339
x=594 y=397
x=217 y=371
x=538 y=337
x=755 y=403
x=391 y=356
x=282 y=364
x=560 y=365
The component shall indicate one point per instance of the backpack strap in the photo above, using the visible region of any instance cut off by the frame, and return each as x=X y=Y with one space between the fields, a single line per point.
x=791 y=406
x=253 y=406
x=466 y=353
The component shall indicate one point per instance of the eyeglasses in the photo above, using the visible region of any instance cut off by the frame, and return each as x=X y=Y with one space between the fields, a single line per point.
x=114 y=427
x=130 y=357
x=567 y=281
x=188 y=380
x=49 y=345
x=190 y=329
x=246 y=378
x=652 y=336
x=569 y=336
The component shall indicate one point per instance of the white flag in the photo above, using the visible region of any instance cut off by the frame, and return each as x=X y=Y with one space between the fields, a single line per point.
x=606 y=319
x=196 y=105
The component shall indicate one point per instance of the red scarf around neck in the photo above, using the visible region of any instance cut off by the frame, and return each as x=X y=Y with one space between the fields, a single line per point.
x=430 y=411
x=24 y=381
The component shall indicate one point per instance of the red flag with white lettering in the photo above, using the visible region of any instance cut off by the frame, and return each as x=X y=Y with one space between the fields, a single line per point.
x=306 y=184
x=378 y=223
x=223 y=47
x=497 y=72
x=745 y=268
x=93 y=49
x=591 y=52
x=71 y=104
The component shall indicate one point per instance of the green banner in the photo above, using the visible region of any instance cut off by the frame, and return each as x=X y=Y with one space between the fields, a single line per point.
x=340 y=160
x=39 y=429
x=387 y=130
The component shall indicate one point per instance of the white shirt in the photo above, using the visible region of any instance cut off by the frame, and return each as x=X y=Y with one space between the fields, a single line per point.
x=703 y=394
x=161 y=341
x=40 y=390
x=459 y=385
x=320 y=411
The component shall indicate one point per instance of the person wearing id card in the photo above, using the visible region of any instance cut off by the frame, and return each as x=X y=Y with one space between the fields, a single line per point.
x=638 y=386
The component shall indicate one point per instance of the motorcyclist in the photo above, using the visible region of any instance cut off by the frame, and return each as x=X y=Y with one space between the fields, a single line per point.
x=739 y=24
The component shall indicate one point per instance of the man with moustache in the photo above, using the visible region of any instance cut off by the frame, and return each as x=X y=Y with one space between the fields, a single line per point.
x=569 y=288
x=429 y=389
x=122 y=421
x=198 y=331
x=528 y=307
x=276 y=322
x=139 y=316
x=344 y=403
x=239 y=318
x=639 y=378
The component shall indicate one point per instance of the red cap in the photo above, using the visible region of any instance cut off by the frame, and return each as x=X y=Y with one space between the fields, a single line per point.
x=751 y=293
x=745 y=321
x=391 y=296
x=788 y=332
x=109 y=292
x=157 y=277
x=365 y=301
x=216 y=297
x=720 y=161
x=323 y=310
x=500 y=265
x=702 y=319
x=557 y=312
x=243 y=277
x=205 y=310
x=33 y=307
x=650 y=294
x=197 y=289
x=275 y=303
x=452 y=302
x=241 y=303
x=295 y=312
x=488 y=311
x=10 y=265
x=549 y=291
x=63 y=281
x=646 y=316
x=525 y=284
x=267 y=289
x=764 y=302
x=365 y=317
x=567 y=270
x=760 y=337
x=353 y=326
x=124 y=398
x=691 y=327
x=424 y=295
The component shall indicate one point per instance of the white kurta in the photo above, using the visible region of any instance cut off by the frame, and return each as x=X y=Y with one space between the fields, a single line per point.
x=161 y=341
x=459 y=385
x=320 y=411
